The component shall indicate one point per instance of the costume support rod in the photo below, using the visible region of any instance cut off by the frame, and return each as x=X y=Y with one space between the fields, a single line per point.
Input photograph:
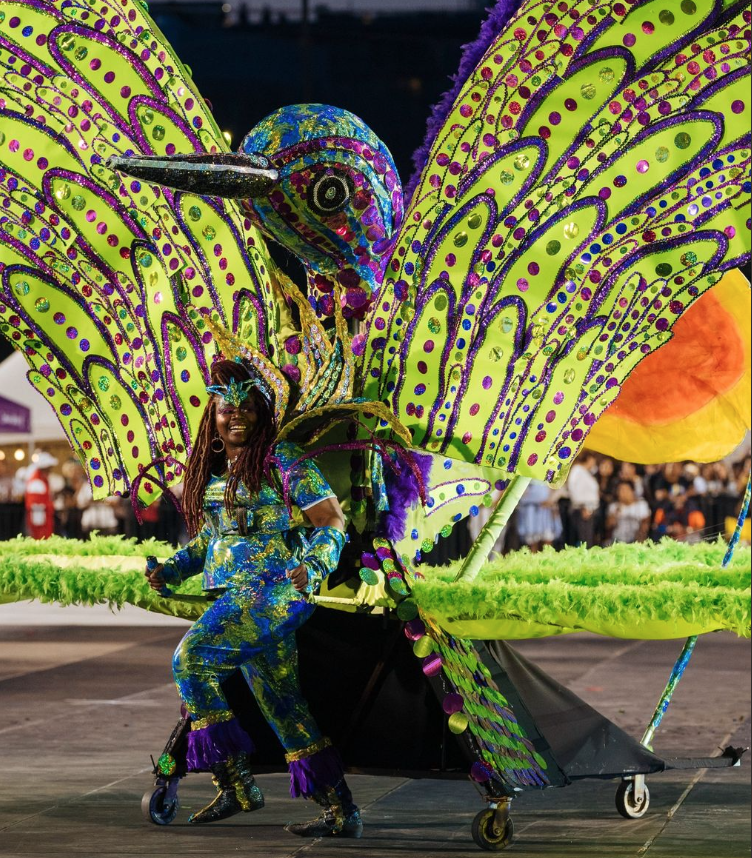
x=663 y=704
x=686 y=654
x=492 y=530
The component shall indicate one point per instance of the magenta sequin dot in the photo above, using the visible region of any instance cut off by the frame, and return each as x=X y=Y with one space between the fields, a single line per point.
x=737 y=106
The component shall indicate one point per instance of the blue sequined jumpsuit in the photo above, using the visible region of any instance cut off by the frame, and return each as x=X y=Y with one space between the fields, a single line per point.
x=244 y=558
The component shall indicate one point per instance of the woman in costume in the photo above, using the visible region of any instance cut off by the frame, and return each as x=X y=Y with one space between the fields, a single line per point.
x=258 y=567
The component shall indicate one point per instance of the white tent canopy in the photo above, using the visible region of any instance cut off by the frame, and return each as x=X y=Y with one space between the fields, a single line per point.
x=15 y=386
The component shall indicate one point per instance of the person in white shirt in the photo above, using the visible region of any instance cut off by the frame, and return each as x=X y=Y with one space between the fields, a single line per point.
x=628 y=516
x=584 y=497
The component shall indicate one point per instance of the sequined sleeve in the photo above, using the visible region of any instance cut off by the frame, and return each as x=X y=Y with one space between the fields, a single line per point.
x=189 y=560
x=307 y=485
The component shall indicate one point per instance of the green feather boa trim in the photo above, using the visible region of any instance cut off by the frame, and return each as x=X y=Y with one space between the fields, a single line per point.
x=650 y=591
x=647 y=591
x=103 y=571
x=97 y=546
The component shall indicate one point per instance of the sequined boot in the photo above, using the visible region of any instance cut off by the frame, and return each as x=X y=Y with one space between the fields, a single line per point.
x=341 y=817
x=237 y=791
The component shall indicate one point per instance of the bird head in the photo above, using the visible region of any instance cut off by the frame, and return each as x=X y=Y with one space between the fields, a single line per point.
x=337 y=204
x=314 y=178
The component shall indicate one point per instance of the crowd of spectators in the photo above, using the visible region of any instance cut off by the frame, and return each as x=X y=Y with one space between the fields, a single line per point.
x=48 y=497
x=605 y=501
x=602 y=502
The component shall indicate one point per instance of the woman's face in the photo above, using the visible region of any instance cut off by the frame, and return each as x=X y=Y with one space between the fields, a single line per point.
x=236 y=424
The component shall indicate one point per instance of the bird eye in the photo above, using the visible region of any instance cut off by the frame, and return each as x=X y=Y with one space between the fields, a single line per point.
x=329 y=193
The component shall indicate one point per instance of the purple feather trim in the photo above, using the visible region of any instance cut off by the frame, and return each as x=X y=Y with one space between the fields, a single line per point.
x=316 y=773
x=403 y=492
x=215 y=744
x=472 y=54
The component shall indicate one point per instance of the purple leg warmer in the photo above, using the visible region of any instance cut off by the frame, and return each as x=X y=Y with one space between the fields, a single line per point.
x=321 y=770
x=215 y=744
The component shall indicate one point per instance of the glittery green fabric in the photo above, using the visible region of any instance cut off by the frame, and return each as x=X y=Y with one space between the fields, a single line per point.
x=251 y=626
x=231 y=549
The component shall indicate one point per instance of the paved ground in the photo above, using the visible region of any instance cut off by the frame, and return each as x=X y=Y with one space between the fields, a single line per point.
x=84 y=706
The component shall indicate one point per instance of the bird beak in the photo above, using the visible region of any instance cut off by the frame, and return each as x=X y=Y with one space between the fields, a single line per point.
x=230 y=175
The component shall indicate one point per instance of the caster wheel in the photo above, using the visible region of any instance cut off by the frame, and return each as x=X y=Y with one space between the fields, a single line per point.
x=492 y=830
x=155 y=809
x=626 y=802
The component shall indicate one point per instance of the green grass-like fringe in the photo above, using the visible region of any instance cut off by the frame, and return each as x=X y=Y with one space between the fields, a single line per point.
x=628 y=585
x=97 y=546
x=28 y=571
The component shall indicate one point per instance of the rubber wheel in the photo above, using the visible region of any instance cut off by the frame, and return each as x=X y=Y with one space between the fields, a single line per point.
x=155 y=809
x=626 y=804
x=488 y=835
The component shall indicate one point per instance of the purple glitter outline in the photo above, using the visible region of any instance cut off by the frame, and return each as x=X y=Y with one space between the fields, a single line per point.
x=94 y=259
x=202 y=264
x=727 y=80
x=439 y=286
x=163 y=108
x=38 y=126
x=98 y=360
x=474 y=175
x=594 y=321
x=555 y=82
x=687 y=167
x=111 y=44
x=169 y=375
x=81 y=382
x=523 y=336
x=491 y=30
x=250 y=267
x=16 y=50
x=95 y=94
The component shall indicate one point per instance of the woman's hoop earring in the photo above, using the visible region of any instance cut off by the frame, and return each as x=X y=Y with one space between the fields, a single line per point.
x=217 y=445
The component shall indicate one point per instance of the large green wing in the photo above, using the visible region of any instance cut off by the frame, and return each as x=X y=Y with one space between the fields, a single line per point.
x=98 y=272
x=591 y=181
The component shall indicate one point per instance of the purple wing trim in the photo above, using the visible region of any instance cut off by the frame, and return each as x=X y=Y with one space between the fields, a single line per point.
x=472 y=54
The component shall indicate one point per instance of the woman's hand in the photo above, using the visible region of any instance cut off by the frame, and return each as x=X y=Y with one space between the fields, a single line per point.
x=299 y=578
x=155 y=578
